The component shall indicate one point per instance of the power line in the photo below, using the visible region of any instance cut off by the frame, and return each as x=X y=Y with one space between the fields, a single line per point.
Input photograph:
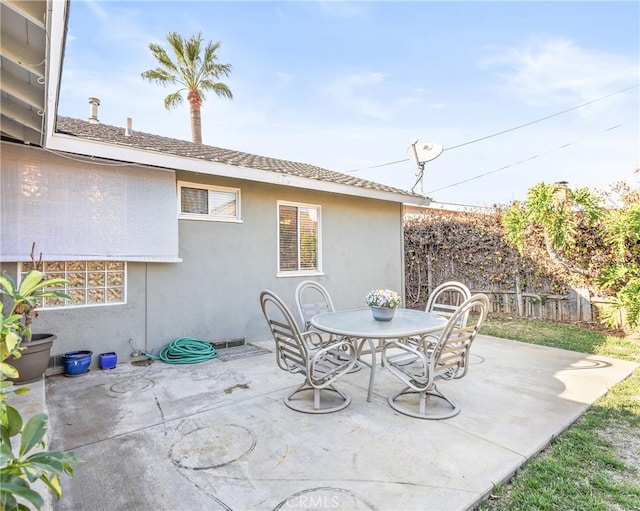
x=543 y=118
x=484 y=174
x=508 y=130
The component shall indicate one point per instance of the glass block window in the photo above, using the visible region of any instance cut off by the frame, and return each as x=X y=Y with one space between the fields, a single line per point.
x=204 y=202
x=89 y=282
x=298 y=238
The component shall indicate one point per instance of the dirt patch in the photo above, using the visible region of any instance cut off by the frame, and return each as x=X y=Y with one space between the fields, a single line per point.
x=625 y=439
x=601 y=329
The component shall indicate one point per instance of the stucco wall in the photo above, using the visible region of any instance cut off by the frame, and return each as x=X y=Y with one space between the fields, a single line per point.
x=213 y=293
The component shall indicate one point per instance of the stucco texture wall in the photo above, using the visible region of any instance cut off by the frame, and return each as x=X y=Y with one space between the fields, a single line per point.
x=214 y=292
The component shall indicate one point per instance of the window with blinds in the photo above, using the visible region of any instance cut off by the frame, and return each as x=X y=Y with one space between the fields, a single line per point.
x=204 y=202
x=298 y=238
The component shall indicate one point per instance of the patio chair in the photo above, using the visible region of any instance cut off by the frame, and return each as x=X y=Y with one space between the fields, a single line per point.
x=313 y=298
x=302 y=352
x=446 y=298
x=420 y=363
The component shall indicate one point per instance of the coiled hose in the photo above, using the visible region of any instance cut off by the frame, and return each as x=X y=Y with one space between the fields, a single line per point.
x=186 y=350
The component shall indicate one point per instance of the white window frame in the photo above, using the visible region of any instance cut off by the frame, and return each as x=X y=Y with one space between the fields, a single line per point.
x=23 y=269
x=299 y=272
x=210 y=189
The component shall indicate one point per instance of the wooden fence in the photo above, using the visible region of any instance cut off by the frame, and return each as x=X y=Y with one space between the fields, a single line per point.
x=577 y=306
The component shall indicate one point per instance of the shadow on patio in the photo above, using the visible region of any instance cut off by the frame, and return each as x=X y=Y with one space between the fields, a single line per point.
x=217 y=435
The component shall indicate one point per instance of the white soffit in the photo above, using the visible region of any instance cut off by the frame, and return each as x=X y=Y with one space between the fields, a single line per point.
x=22 y=69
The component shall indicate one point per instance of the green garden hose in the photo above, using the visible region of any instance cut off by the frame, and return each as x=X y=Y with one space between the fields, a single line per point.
x=186 y=350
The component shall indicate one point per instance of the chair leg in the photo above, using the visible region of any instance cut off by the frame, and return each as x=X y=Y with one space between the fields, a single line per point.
x=423 y=399
x=298 y=404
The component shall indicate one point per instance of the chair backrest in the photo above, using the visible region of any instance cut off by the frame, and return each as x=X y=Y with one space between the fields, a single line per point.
x=291 y=351
x=447 y=298
x=312 y=298
x=450 y=355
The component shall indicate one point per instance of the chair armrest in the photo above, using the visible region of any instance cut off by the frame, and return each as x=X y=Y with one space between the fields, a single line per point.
x=411 y=365
x=323 y=350
x=411 y=348
x=312 y=339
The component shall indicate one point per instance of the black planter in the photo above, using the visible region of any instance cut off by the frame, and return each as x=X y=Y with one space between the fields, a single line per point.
x=34 y=360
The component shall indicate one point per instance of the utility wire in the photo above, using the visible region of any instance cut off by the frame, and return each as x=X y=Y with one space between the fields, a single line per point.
x=508 y=130
x=543 y=118
x=516 y=163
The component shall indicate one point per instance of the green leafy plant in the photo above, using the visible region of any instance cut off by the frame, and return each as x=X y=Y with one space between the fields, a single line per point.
x=626 y=303
x=560 y=213
x=557 y=211
x=18 y=470
x=622 y=231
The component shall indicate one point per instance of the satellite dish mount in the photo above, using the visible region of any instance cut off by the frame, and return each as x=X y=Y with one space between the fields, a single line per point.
x=421 y=153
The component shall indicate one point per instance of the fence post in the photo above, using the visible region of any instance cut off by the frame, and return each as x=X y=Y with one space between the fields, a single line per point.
x=580 y=304
x=574 y=305
x=584 y=304
x=429 y=272
x=519 y=305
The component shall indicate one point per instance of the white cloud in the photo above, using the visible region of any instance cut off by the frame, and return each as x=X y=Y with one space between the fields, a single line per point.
x=355 y=91
x=98 y=10
x=284 y=78
x=557 y=70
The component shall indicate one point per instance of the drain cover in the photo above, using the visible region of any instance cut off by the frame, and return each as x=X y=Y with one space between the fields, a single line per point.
x=212 y=446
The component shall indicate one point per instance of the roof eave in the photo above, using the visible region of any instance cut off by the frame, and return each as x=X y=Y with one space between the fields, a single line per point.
x=57 y=13
x=72 y=144
x=57 y=20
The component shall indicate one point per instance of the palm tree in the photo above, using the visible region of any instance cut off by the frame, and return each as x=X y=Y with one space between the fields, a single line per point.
x=195 y=72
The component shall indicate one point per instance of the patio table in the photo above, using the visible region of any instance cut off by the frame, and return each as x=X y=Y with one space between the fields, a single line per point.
x=359 y=326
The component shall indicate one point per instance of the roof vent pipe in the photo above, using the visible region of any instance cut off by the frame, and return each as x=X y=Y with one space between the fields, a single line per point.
x=128 y=130
x=95 y=103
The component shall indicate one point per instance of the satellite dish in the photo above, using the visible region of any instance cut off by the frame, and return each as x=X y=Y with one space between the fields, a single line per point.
x=422 y=152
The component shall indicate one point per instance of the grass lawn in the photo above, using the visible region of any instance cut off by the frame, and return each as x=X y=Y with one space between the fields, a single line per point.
x=594 y=464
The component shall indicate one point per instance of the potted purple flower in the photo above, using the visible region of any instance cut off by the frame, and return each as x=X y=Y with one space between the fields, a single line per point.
x=383 y=303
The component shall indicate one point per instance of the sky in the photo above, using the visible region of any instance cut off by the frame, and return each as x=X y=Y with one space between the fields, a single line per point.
x=550 y=87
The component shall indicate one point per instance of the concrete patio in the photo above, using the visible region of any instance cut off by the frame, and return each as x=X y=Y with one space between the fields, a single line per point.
x=217 y=436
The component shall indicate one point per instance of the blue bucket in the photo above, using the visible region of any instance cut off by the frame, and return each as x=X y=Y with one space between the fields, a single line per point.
x=76 y=362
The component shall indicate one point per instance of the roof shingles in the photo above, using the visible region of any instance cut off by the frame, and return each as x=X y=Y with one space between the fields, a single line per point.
x=114 y=135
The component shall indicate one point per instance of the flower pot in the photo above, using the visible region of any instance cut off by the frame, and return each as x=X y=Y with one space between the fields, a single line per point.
x=108 y=360
x=383 y=313
x=34 y=359
x=76 y=362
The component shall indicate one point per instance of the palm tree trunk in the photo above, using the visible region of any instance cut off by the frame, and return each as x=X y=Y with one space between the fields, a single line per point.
x=196 y=124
